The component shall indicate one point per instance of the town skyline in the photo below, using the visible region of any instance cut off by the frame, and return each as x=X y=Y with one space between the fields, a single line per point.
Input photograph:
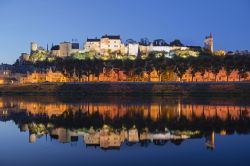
x=26 y=25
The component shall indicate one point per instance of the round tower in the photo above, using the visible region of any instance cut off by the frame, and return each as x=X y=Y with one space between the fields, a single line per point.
x=33 y=47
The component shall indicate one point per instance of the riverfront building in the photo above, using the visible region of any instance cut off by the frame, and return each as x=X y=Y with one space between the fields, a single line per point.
x=116 y=75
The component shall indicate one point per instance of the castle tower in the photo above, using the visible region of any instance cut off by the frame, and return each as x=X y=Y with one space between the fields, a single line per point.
x=209 y=43
x=33 y=47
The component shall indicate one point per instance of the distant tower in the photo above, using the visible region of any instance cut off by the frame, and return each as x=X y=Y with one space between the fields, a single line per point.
x=209 y=43
x=33 y=47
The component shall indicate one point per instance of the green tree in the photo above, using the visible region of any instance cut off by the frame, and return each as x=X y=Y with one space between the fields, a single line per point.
x=98 y=66
x=180 y=67
x=229 y=65
x=242 y=66
x=176 y=42
x=216 y=66
x=160 y=66
x=128 y=67
x=193 y=65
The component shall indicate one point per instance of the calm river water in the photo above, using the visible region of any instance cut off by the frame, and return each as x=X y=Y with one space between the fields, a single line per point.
x=76 y=131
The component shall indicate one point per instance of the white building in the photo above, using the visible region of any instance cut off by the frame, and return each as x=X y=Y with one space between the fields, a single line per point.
x=110 y=44
x=92 y=45
x=133 y=49
x=33 y=47
x=159 y=46
x=182 y=48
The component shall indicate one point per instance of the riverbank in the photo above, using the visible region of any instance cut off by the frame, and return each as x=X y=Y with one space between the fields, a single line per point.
x=130 y=88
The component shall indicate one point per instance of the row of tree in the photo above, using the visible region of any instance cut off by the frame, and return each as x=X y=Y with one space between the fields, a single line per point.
x=161 y=65
x=83 y=119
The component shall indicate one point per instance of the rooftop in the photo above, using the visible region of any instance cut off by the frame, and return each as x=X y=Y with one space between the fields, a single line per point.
x=56 y=47
x=112 y=37
x=160 y=42
x=93 y=40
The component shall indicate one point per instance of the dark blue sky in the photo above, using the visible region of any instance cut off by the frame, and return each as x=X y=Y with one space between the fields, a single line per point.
x=52 y=21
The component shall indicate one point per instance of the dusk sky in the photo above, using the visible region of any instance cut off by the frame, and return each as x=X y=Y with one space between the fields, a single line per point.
x=53 y=21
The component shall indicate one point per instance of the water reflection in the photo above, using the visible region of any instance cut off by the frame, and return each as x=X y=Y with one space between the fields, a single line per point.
x=109 y=122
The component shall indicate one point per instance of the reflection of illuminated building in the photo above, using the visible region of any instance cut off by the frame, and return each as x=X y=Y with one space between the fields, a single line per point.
x=106 y=138
x=110 y=140
x=63 y=135
x=92 y=138
x=24 y=127
x=123 y=135
x=154 y=111
x=133 y=135
x=157 y=136
x=166 y=113
x=32 y=138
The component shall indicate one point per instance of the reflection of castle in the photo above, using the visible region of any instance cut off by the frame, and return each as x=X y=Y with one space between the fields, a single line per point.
x=108 y=138
x=105 y=137
x=224 y=116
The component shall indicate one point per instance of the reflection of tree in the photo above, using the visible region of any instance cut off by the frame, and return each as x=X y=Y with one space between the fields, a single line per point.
x=81 y=119
x=177 y=142
x=145 y=143
x=160 y=142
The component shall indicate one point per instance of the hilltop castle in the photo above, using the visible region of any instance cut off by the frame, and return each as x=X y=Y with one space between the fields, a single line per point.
x=109 y=45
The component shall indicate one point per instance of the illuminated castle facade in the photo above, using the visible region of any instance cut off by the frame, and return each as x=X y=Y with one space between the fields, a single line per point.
x=109 y=45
